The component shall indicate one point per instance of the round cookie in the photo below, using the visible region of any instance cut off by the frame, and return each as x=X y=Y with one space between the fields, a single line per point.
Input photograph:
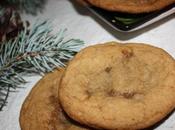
x=132 y=6
x=41 y=109
x=119 y=86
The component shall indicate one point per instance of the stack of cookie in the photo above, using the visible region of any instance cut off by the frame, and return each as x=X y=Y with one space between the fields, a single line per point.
x=132 y=6
x=108 y=86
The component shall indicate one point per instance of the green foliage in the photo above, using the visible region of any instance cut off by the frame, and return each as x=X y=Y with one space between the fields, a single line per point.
x=37 y=51
x=127 y=21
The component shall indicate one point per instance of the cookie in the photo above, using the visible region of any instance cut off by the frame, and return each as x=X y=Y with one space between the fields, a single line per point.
x=132 y=6
x=119 y=86
x=41 y=109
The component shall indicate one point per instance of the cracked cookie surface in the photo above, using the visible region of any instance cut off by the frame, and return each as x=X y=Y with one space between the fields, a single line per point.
x=132 y=6
x=119 y=86
x=41 y=109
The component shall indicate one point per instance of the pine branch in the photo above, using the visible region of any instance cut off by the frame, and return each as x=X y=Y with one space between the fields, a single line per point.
x=36 y=52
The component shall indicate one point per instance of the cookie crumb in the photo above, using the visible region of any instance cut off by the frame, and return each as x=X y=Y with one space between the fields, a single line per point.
x=127 y=54
x=108 y=69
x=112 y=93
x=128 y=95
x=88 y=94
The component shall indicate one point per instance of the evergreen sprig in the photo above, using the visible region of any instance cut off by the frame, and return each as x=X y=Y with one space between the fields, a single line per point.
x=36 y=51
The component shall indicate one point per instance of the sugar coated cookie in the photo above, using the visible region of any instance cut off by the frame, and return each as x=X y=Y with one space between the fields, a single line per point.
x=132 y=6
x=41 y=109
x=119 y=86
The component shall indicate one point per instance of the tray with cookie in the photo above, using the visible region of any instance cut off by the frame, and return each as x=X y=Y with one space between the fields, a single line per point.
x=131 y=15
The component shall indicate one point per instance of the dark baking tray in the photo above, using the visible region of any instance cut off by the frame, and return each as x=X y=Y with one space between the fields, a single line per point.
x=130 y=22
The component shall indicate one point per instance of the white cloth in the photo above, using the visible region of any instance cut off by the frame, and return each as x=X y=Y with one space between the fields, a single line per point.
x=84 y=25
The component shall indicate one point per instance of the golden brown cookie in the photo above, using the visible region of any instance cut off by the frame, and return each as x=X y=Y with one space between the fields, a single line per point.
x=132 y=6
x=41 y=109
x=119 y=86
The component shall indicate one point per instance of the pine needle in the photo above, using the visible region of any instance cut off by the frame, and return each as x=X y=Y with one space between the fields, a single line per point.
x=37 y=52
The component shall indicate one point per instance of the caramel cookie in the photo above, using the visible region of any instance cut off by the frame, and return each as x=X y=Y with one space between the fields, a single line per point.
x=41 y=109
x=132 y=6
x=119 y=86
